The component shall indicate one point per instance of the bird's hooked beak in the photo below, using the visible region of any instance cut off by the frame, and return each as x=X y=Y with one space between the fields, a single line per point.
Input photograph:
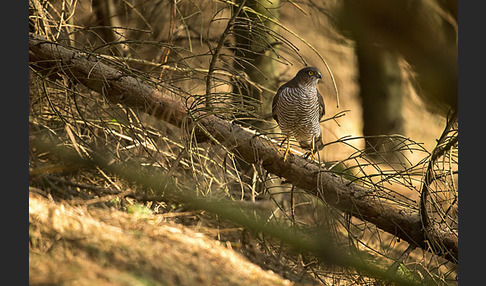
x=319 y=75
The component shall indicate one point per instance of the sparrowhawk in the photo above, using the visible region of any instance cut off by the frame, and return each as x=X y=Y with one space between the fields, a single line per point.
x=298 y=107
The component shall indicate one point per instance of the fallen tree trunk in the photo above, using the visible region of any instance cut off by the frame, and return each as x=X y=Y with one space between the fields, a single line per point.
x=338 y=192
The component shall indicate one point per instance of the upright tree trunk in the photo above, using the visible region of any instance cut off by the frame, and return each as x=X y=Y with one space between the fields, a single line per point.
x=254 y=47
x=381 y=94
x=424 y=33
x=107 y=16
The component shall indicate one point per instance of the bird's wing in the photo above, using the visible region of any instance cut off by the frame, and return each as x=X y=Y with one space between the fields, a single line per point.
x=275 y=102
x=322 y=106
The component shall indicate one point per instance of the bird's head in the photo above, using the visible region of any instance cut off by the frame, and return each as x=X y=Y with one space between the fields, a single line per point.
x=309 y=75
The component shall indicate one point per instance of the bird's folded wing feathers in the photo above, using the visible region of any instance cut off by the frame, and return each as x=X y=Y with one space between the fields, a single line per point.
x=275 y=102
x=322 y=106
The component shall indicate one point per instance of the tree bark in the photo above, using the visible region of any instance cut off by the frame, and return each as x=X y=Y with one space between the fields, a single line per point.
x=338 y=192
x=106 y=16
x=380 y=84
x=254 y=47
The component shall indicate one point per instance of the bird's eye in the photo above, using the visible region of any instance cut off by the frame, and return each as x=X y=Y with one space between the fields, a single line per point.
x=310 y=72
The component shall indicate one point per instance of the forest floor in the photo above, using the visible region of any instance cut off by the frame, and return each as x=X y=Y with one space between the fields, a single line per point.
x=80 y=245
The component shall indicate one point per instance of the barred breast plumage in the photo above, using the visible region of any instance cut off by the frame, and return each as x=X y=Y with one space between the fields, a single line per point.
x=298 y=107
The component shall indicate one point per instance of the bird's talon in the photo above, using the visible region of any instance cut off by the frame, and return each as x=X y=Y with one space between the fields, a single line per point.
x=286 y=152
x=306 y=155
x=311 y=154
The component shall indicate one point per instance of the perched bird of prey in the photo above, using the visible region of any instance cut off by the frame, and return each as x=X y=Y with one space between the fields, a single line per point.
x=298 y=107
